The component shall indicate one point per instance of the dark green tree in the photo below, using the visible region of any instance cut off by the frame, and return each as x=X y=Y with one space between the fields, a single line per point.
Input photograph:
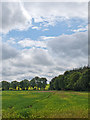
x=77 y=79
x=5 y=85
x=14 y=84
x=72 y=79
x=61 y=82
x=32 y=83
x=44 y=82
x=24 y=84
x=52 y=83
x=83 y=83
x=37 y=82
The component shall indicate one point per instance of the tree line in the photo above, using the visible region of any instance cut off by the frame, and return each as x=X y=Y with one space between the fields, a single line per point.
x=35 y=83
x=76 y=79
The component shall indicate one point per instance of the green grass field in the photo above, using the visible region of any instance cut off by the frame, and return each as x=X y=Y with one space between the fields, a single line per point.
x=36 y=104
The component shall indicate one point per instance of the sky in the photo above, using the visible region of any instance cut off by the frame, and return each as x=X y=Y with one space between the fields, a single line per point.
x=42 y=38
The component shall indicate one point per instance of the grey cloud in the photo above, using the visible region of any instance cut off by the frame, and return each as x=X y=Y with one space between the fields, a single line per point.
x=64 y=52
x=41 y=57
x=33 y=57
x=28 y=64
x=18 y=15
x=8 y=51
x=13 y=17
x=71 y=46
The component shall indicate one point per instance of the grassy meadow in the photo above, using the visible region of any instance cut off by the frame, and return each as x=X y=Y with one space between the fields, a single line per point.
x=44 y=104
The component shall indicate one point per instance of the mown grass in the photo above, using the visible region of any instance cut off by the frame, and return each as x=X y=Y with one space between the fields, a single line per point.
x=34 y=104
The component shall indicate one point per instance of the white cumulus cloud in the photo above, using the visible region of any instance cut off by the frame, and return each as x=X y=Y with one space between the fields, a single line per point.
x=19 y=15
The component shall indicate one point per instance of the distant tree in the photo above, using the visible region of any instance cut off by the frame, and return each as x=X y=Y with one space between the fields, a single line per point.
x=72 y=78
x=84 y=82
x=77 y=79
x=0 y=84
x=5 y=85
x=32 y=83
x=44 y=82
x=14 y=84
x=66 y=72
x=52 y=83
x=24 y=84
x=37 y=82
x=58 y=83
x=60 y=80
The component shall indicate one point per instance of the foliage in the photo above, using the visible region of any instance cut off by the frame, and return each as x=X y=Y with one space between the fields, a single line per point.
x=5 y=85
x=25 y=84
x=76 y=79
x=14 y=84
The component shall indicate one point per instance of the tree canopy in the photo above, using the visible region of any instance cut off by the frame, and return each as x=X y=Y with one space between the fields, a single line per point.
x=76 y=79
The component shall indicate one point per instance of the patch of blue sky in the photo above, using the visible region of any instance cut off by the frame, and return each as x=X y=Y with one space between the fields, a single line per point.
x=61 y=27
x=33 y=47
x=76 y=23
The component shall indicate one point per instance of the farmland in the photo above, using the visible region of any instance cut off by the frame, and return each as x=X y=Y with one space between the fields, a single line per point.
x=44 y=104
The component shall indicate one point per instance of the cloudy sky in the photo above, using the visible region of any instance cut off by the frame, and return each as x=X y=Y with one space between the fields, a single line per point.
x=43 y=39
